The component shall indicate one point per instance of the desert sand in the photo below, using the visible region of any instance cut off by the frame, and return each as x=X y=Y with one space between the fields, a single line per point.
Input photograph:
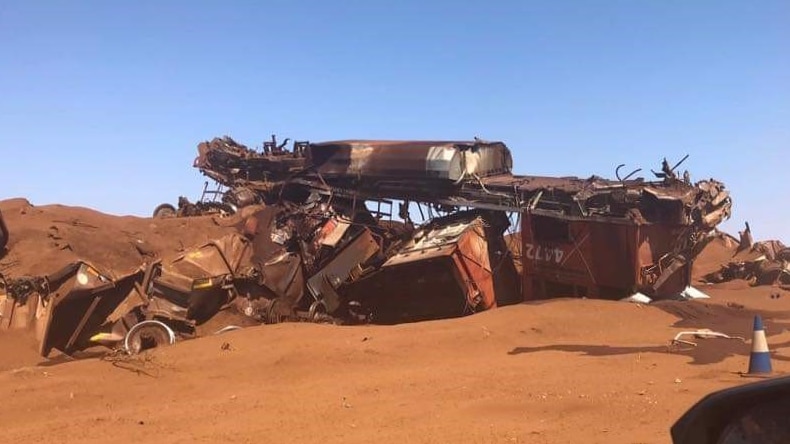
x=555 y=371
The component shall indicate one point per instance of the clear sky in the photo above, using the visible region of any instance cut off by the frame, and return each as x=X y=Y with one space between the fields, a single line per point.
x=103 y=102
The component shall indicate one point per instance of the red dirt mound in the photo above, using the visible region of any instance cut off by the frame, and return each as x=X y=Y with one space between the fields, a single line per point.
x=46 y=238
x=718 y=252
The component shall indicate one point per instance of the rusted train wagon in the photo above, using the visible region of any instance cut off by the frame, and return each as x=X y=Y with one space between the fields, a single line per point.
x=599 y=258
x=581 y=237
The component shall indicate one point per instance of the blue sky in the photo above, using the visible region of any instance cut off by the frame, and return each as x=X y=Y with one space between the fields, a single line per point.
x=102 y=103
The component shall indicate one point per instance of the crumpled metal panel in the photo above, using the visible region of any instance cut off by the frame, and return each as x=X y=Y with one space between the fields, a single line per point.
x=338 y=270
x=448 y=269
x=229 y=162
x=81 y=305
x=220 y=257
x=24 y=314
x=464 y=246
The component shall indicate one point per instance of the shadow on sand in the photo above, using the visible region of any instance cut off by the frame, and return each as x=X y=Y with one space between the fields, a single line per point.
x=735 y=321
x=708 y=351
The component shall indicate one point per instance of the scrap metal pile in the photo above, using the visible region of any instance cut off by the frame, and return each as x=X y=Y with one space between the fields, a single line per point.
x=759 y=263
x=317 y=243
x=585 y=237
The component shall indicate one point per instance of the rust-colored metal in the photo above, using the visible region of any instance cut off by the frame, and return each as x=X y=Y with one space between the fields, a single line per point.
x=600 y=259
x=453 y=266
x=3 y=234
x=594 y=237
x=760 y=263
x=80 y=305
x=229 y=162
x=339 y=269
x=598 y=238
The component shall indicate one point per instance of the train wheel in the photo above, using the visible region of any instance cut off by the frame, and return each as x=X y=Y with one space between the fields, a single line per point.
x=164 y=210
x=147 y=335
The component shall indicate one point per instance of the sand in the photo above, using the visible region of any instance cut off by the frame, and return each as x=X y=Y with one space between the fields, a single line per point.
x=559 y=371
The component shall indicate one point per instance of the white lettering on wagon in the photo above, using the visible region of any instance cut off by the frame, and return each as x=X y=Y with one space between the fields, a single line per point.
x=543 y=253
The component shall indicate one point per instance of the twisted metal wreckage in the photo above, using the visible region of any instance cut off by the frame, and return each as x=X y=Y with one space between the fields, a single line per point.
x=759 y=263
x=312 y=248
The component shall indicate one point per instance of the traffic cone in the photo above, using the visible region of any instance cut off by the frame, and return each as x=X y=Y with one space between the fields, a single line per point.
x=760 y=358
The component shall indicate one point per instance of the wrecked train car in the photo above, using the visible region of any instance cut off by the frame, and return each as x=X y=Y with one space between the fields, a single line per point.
x=82 y=305
x=350 y=265
x=418 y=171
x=316 y=250
x=581 y=237
x=452 y=266
x=33 y=303
x=315 y=261
x=611 y=239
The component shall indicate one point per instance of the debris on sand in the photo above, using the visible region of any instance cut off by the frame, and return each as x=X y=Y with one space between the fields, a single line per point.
x=759 y=263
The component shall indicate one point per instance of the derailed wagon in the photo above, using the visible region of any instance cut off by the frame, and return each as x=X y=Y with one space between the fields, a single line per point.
x=580 y=237
x=315 y=262
x=453 y=266
x=321 y=245
x=609 y=239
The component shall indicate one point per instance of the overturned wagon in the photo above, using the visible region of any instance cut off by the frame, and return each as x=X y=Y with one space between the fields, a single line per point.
x=605 y=239
x=310 y=262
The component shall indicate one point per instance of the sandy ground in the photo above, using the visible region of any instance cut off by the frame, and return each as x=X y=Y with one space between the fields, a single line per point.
x=559 y=371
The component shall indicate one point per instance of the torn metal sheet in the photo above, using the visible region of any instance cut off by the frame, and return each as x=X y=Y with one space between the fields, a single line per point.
x=760 y=263
x=87 y=306
x=338 y=271
x=25 y=302
x=81 y=306
x=21 y=314
x=231 y=163
x=194 y=286
x=449 y=268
